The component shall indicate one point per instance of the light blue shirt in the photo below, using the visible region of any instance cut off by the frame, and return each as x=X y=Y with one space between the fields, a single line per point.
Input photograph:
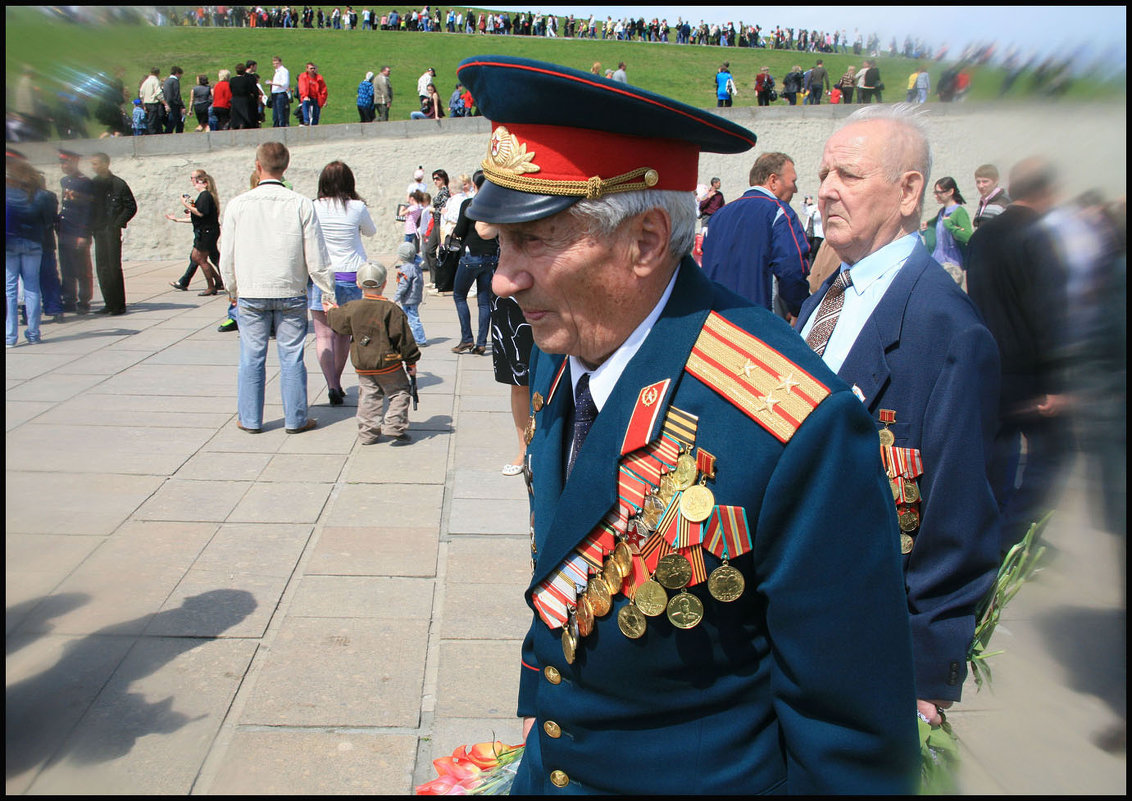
x=872 y=276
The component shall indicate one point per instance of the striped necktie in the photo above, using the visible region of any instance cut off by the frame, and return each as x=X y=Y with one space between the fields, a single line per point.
x=825 y=318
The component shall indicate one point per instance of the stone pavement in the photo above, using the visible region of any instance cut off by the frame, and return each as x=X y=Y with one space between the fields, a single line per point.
x=191 y=609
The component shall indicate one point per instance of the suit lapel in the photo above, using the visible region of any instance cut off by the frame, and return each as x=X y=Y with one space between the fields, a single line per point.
x=591 y=490
x=866 y=365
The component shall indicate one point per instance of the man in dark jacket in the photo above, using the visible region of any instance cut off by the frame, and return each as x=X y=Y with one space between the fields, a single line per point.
x=74 y=235
x=1019 y=284
x=171 y=88
x=112 y=207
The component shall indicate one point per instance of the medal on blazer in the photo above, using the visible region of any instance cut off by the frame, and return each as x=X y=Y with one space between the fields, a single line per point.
x=887 y=416
x=537 y=402
x=906 y=543
x=685 y=611
x=651 y=598
x=631 y=621
x=611 y=575
x=529 y=431
x=726 y=583
x=673 y=571
x=684 y=476
x=584 y=614
x=570 y=640
x=909 y=519
x=601 y=600
x=697 y=502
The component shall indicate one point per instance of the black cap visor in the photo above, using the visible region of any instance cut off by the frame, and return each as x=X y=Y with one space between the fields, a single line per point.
x=497 y=204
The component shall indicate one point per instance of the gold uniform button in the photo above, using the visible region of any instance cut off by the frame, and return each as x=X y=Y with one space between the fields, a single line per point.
x=552 y=674
x=552 y=729
x=559 y=778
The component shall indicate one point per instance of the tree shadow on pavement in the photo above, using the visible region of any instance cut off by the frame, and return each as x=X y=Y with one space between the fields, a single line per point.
x=91 y=683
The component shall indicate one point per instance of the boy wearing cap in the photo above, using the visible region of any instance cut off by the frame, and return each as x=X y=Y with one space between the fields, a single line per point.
x=717 y=571
x=410 y=288
x=381 y=342
x=137 y=120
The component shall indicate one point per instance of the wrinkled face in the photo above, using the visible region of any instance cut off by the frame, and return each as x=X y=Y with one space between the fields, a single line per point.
x=860 y=206
x=985 y=186
x=572 y=287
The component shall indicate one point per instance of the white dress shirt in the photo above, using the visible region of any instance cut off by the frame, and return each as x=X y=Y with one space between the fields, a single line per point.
x=281 y=81
x=872 y=276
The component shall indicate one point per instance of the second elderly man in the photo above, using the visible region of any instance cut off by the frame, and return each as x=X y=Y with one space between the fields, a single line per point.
x=717 y=600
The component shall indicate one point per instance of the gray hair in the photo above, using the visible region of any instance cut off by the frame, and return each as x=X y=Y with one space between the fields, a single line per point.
x=601 y=217
x=916 y=152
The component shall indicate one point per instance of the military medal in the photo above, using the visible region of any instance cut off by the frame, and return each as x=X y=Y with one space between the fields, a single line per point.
x=896 y=488
x=911 y=491
x=631 y=622
x=666 y=489
x=886 y=437
x=696 y=503
x=651 y=598
x=611 y=574
x=905 y=543
x=673 y=571
x=529 y=432
x=726 y=583
x=570 y=640
x=684 y=476
x=584 y=614
x=651 y=511
x=536 y=402
x=600 y=598
x=623 y=556
x=908 y=519
x=685 y=610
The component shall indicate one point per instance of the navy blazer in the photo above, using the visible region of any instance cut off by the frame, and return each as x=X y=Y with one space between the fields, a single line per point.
x=926 y=355
x=804 y=684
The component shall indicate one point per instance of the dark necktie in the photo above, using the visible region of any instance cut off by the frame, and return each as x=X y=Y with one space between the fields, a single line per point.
x=584 y=413
x=825 y=318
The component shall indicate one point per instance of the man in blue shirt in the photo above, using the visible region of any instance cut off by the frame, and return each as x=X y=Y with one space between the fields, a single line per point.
x=724 y=86
x=756 y=241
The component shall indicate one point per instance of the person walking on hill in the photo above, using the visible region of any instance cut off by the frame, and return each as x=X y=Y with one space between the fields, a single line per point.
x=312 y=93
x=382 y=94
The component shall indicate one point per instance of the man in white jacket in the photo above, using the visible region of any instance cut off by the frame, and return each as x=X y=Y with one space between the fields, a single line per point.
x=272 y=243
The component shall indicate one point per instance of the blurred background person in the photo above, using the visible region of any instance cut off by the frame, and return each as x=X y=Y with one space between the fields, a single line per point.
x=947 y=233
x=203 y=212
x=202 y=100
x=222 y=101
x=24 y=225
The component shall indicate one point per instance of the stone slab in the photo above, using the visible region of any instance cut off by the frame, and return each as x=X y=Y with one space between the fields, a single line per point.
x=474 y=516
x=490 y=560
x=488 y=483
x=219 y=603
x=254 y=548
x=92 y=505
x=374 y=551
x=485 y=611
x=424 y=461
x=341 y=672
x=194 y=500
x=319 y=468
x=34 y=565
x=105 y=362
x=224 y=466
x=152 y=725
x=312 y=763
x=16 y=413
x=50 y=681
x=478 y=679
x=281 y=502
x=25 y=363
x=53 y=387
x=409 y=505
x=363 y=596
x=105 y=449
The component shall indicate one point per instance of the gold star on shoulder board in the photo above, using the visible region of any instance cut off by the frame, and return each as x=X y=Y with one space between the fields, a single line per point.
x=746 y=369
x=787 y=383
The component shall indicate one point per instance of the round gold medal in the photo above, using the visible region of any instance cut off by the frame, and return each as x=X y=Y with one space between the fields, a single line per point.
x=529 y=432
x=569 y=644
x=612 y=575
x=696 y=503
x=684 y=475
x=726 y=583
x=600 y=598
x=685 y=610
x=908 y=520
x=905 y=543
x=673 y=571
x=886 y=437
x=631 y=622
x=651 y=598
x=911 y=491
x=584 y=615
x=895 y=484
x=623 y=556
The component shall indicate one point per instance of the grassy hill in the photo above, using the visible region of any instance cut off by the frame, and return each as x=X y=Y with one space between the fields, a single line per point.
x=63 y=50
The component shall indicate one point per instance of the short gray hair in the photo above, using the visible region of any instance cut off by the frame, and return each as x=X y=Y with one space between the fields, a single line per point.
x=917 y=151
x=601 y=217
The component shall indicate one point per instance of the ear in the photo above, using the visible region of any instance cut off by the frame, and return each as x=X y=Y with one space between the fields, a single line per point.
x=911 y=191
x=649 y=233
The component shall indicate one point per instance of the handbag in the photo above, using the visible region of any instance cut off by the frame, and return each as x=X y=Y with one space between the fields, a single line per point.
x=445 y=277
x=453 y=243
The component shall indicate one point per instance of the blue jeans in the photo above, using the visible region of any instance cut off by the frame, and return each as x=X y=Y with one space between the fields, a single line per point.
x=49 y=286
x=415 y=324
x=311 y=112
x=256 y=316
x=279 y=113
x=21 y=261
x=477 y=270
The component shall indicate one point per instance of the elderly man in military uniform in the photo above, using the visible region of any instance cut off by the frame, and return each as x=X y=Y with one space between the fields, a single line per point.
x=716 y=591
x=892 y=323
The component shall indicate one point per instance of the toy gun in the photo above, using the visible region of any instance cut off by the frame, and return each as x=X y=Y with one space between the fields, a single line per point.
x=413 y=391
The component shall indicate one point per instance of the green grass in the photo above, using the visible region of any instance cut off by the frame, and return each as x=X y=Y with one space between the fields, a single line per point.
x=684 y=72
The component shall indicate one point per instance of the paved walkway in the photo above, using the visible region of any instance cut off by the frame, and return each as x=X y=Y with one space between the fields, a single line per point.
x=191 y=609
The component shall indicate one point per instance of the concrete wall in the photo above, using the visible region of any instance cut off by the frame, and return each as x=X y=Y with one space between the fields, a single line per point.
x=1086 y=141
